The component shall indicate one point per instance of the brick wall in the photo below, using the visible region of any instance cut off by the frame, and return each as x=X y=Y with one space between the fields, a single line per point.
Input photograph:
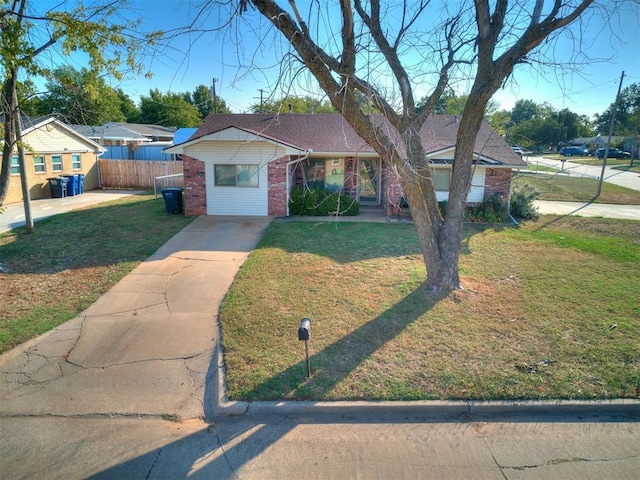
x=277 y=175
x=497 y=181
x=195 y=188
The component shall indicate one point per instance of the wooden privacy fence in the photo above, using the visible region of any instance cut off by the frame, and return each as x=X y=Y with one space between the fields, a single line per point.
x=134 y=173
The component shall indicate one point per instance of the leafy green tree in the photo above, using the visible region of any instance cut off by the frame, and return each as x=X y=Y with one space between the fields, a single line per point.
x=524 y=110
x=82 y=97
x=128 y=107
x=28 y=29
x=500 y=121
x=168 y=109
x=540 y=125
x=29 y=100
x=537 y=132
x=306 y=104
x=626 y=119
x=203 y=100
x=574 y=125
x=452 y=104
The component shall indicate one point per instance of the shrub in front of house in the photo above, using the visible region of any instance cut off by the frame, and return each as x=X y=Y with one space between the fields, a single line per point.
x=320 y=203
x=522 y=202
x=492 y=210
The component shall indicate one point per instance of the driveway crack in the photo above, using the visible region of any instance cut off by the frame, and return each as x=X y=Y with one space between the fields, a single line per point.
x=153 y=464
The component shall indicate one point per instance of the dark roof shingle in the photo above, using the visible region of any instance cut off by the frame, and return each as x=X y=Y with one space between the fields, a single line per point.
x=331 y=133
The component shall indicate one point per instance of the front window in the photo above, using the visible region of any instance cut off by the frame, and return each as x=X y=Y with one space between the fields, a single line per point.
x=56 y=163
x=441 y=179
x=235 y=175
x=15 y=165
x=38 y=164
x=76 y=163
x=325 y=174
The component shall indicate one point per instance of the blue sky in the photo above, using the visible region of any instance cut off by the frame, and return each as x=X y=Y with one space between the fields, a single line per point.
x=196 y=59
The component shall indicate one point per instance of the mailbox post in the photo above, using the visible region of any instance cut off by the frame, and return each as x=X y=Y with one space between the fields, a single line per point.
x=304 y=334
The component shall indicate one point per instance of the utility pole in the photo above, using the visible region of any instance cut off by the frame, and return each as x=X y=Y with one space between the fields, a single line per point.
x=606 y=150
x=261 y=98
x=636 y=149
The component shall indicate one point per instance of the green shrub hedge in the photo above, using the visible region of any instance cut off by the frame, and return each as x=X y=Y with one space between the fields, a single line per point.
x=493 y=209
x=318 y=202
x=522 y=202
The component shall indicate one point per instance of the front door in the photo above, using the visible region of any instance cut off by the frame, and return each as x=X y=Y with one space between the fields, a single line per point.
x=369 y=181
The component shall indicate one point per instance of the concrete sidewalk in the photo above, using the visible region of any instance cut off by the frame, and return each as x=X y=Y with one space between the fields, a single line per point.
x=146 y=346
x=625 y=212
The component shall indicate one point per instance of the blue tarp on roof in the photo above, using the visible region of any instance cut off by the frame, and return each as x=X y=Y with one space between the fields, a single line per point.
x=183 y=134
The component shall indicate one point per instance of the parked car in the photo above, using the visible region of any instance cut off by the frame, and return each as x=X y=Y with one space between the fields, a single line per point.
x=613 y=153
x=518 y=150
x=573 y=152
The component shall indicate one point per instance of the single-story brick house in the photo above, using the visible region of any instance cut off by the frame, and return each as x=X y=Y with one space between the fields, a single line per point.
x=53 y=149
x=248 y=164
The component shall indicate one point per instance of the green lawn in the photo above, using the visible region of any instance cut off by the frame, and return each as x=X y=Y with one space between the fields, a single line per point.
x=558 y=186
x=549 y=310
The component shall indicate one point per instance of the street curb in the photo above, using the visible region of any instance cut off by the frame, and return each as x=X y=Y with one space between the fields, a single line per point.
x=226 y=408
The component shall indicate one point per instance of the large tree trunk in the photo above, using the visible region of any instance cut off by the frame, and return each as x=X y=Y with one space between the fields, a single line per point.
x=338 y=77
x=438 y=243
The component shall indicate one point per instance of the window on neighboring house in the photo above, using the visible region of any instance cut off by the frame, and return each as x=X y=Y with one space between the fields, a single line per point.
x=76 y=162
x=56 y=163
x=441 y=179
x=38 y=164
x=235 y=175
x=15 y=165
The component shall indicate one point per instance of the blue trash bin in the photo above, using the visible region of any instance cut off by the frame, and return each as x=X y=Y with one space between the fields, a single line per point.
x=172 y=200
x=80 y=183
x=72 y=185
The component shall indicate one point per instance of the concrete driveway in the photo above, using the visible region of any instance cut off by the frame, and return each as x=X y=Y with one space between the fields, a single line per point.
x=145 y=347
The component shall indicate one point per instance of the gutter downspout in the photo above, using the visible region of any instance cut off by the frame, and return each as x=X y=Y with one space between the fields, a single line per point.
x=289 y=164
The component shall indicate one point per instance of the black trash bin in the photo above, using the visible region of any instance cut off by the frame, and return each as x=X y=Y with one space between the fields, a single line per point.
x=58 y=187
x=172 y=200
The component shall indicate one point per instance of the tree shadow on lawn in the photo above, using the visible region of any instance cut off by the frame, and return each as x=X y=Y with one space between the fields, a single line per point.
x=337 y=361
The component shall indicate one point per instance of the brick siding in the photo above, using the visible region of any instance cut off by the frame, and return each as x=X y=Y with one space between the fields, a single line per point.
x=497 y=181
x=277 y=175
x=195 y=188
